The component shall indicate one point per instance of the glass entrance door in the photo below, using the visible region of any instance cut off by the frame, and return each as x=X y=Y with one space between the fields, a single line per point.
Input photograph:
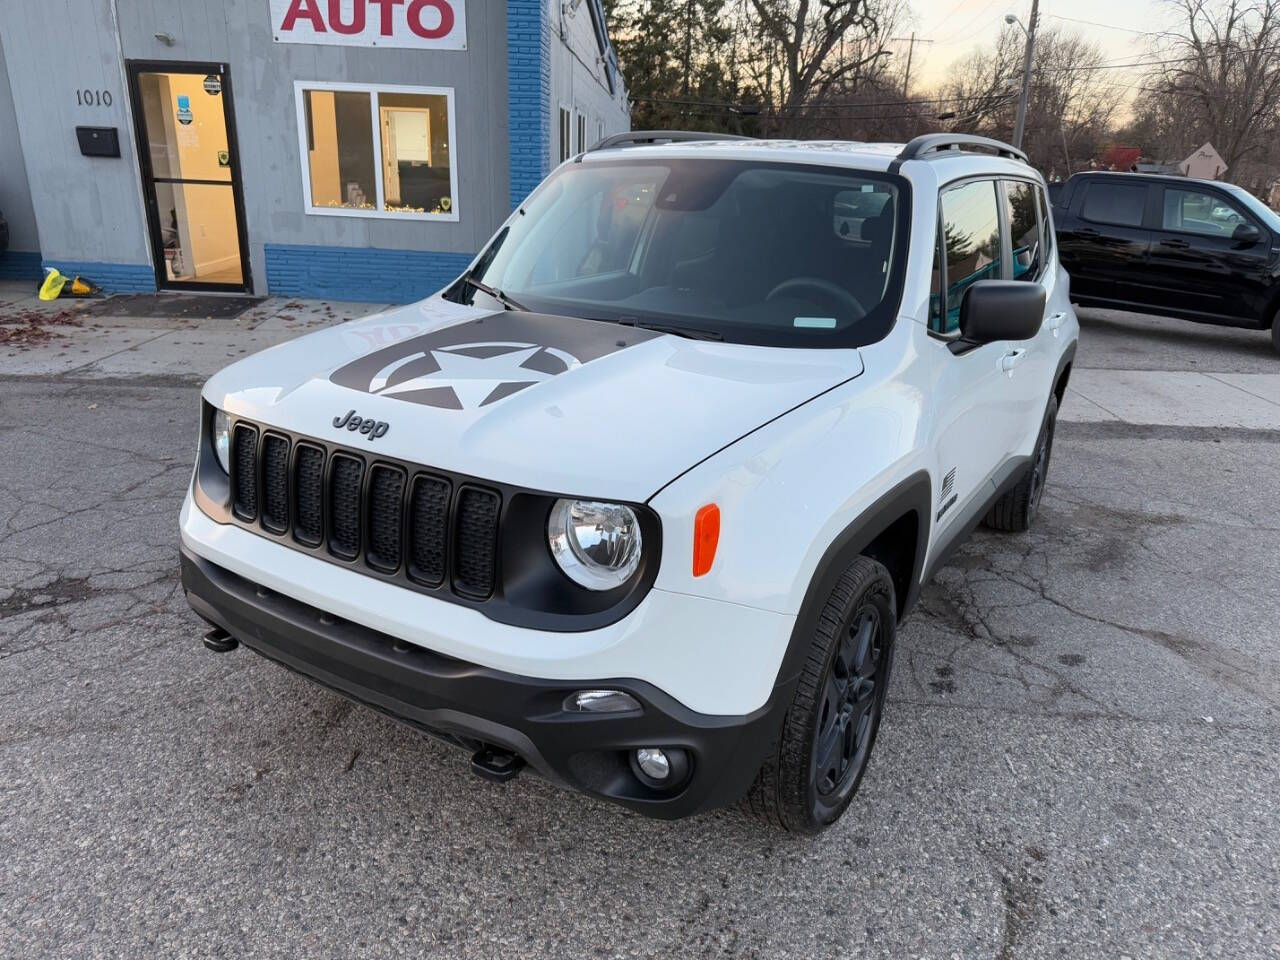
x=191 y=175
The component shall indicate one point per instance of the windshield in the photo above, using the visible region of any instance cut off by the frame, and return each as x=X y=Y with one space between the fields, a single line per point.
x=1256 y=206
x=765 y=253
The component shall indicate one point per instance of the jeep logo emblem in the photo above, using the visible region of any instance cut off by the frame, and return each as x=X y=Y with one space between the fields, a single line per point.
x=373 y=429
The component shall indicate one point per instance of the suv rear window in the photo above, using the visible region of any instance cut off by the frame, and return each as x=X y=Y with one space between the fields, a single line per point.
x=1121 y=204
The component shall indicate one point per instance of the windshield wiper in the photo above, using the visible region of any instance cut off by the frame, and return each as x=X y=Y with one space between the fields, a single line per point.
x=494 y=292
x=689 y=333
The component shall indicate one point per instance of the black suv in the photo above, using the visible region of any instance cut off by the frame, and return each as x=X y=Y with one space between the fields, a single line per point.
x=1196 y=249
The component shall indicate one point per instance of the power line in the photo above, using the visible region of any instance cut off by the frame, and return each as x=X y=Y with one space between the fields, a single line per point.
x=949 y=14
x=1105 y=26
x=960 y=30
x=857 y=104
x=1161 y=63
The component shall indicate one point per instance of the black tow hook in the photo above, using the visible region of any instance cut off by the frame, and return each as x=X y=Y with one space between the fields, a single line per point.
x=495 y=764
x=219 y=641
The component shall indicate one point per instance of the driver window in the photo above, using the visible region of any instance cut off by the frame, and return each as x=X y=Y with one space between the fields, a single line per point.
x=1196 y=211
x=971 y=237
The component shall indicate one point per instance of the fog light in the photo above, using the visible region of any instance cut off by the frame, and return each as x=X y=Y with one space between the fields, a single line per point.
x=660 y=768
x=601 y=701
x=654 y=762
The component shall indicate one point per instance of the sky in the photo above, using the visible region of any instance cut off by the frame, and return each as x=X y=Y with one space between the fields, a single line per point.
x=956 y=27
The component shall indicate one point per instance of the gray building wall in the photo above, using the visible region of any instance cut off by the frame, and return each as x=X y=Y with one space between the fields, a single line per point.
x=87 y=209
x=91 y=209
x=69 y=68
x=15 y=193
x=578 y=80
x=238 y=33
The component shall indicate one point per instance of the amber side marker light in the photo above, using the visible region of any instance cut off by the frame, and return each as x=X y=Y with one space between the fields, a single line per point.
x=706 y=537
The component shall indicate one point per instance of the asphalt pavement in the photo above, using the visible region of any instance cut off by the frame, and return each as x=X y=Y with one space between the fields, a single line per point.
x=1079 y=755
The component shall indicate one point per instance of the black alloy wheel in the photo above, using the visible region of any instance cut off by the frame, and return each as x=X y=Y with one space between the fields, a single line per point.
x=851 y=704
x=811 y=773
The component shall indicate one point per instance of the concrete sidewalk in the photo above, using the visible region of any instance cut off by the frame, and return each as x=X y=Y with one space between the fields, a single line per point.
x=1176 y=398
x=62 y=337
x=65 y=340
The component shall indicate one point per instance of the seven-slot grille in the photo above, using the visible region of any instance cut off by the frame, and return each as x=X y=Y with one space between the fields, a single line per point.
x=379 y=514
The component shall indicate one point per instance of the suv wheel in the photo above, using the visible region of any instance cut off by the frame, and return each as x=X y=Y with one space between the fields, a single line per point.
x=1016 y=510
x=810 y=776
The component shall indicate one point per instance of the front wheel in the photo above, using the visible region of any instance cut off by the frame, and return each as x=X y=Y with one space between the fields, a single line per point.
x=811 y=775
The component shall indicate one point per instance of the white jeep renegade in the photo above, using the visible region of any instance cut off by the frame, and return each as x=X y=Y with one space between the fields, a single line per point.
x=639 y=501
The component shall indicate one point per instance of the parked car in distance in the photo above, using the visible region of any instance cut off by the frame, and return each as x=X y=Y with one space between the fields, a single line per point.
x=639 y=500
x=1172 y=246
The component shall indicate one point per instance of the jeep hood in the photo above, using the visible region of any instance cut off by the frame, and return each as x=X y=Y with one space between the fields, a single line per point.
x=559 y=404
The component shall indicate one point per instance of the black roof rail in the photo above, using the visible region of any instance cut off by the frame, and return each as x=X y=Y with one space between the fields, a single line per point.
x=929 y=143
x=635 y=137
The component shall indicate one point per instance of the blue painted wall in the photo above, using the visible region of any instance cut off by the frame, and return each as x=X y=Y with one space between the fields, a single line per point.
x=529 y=111
x=20 y=265
x=111 y=277
x=367 y=274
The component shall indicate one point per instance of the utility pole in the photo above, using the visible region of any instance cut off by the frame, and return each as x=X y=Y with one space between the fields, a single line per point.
x=911 y=49
x=1028 y=60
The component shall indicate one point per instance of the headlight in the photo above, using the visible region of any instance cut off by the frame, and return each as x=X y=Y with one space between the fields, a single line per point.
x=222 y=440
x=597 y=545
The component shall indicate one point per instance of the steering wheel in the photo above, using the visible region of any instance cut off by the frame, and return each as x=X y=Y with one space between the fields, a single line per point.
x=826 y=292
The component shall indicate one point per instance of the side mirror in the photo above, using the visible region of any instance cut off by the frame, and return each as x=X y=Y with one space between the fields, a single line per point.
x=1246 y=234
x=1001 y=310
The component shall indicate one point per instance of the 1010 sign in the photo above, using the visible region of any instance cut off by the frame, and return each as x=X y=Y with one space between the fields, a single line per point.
x=93 y=98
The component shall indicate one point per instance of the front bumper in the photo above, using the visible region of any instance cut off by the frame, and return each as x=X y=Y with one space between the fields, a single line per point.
x=474 y=706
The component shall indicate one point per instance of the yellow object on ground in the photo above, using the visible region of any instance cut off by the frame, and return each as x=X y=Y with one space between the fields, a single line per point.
x=54 y=281
x=80 y=287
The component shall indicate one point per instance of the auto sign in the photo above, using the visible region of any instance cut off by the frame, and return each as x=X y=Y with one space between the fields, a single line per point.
x=427 y=24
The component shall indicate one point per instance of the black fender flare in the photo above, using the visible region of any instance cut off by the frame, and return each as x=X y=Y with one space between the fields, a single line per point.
x=1067 y=359
x=912 y=495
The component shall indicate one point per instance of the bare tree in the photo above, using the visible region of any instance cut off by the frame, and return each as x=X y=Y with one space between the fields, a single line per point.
x=1222 y=79
x=1072 y=102
x=807 y=53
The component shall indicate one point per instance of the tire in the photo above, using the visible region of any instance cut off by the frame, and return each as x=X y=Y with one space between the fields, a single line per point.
x=794 y=789
x=1016 y=510
x=1275 y=332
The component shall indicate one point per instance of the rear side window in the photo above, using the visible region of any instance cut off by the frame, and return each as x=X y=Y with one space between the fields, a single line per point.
x=1046 y=226
x=971 y=239
x=1024 y=229
x=1121 y=204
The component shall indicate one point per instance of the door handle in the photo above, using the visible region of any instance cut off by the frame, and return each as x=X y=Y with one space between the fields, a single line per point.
x=1176 y=244
x=1011 y=360
x=1053 y=323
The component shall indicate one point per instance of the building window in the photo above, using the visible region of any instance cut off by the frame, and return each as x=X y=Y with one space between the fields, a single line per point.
x=582 y=132
x=378 y=151
x=566 y=127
